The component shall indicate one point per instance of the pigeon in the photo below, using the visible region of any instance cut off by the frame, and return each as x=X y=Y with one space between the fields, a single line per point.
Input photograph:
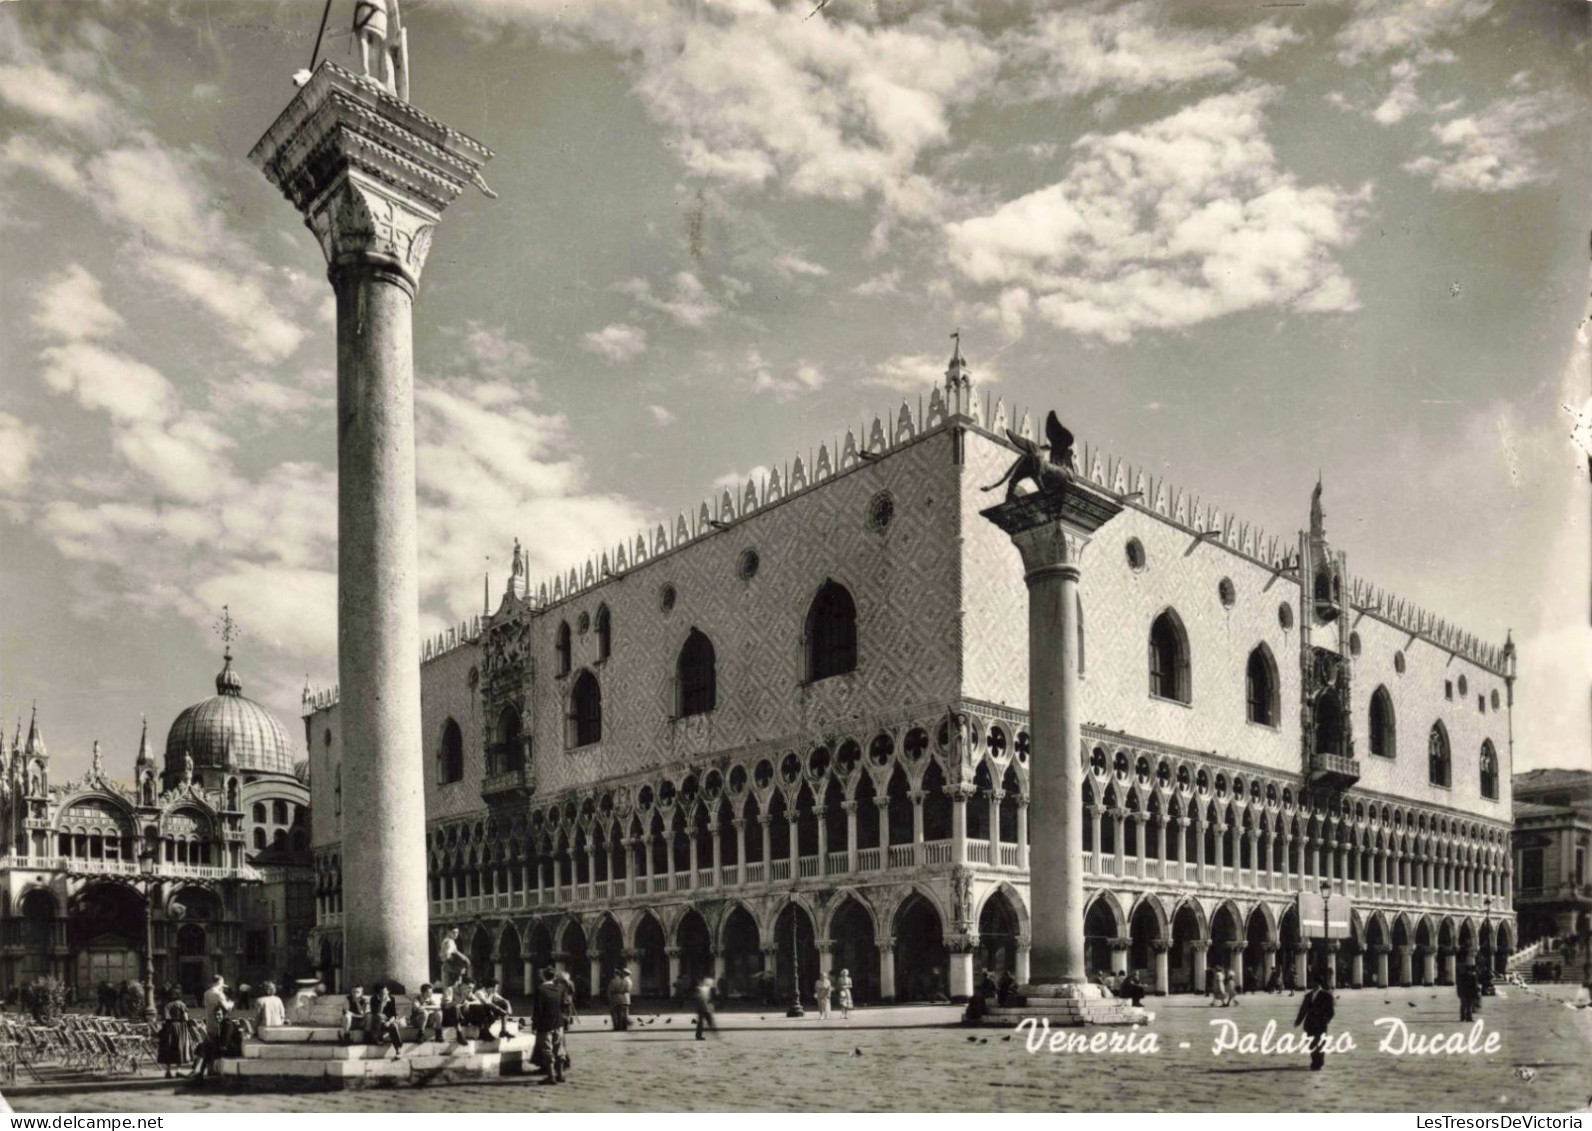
x=1412 y=1005
x=983 y=1040
x=856 y=1052
x=605 y=1020
x=1525 y=1073
x=1387 y=1001
x=972 y=1040
x=668 y=1020
x=1006 y=1038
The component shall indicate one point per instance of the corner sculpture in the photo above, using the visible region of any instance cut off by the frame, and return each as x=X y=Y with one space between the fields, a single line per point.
x=1047 y=465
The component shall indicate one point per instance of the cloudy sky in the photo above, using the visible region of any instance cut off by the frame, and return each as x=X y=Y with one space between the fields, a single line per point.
x=1238 y=244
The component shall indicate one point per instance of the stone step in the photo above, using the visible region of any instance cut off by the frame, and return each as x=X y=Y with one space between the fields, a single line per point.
x=430 y=1063
x=302 y=1050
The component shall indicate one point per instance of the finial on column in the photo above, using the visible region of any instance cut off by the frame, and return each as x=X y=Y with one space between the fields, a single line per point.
x=97 y=765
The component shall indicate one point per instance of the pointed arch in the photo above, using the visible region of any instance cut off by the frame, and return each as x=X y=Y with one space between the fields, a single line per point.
x=1169 y=658
x=831 y=633
x=1383 y=724
x=1439 y=760
x=1262 y=695
x=696 y=676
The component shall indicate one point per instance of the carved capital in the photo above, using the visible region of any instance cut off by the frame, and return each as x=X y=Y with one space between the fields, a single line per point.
x=1051 y=528
x=1120 y=945
x=961 y=944
x=1160 y=946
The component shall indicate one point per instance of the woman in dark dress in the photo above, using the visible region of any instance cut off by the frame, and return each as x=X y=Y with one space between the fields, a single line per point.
x=179 y=1039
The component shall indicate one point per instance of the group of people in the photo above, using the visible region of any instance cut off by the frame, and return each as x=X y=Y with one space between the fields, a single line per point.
x=197 y=1043
x=824 y=990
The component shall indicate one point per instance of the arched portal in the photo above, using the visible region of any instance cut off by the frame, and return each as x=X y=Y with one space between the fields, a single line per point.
x=576 y=962
x=513 y=966
x=541 y=947
x=1182 y=970
x=652 y=961
x=696 y=949
x=922 y=963
x=1099 y=929
x=854 y=950
x=1424 y=946
x=1227 y=940
x=480 y=953
x=1257 y=934
x=795 y=953
x=1288 y=935
x=997 y=934
x=610 y=947
x=743 y=954
x=105 y=933
x=1144 y=930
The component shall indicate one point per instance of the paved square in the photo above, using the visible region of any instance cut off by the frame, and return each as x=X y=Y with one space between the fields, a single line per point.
x=770 y=1064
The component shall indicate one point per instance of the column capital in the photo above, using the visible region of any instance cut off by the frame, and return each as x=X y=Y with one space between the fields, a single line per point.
x=672 y=951
x=1160 y=946
x=961 y=944
x=370 y=174
x=849 y=805
x=1050 y=528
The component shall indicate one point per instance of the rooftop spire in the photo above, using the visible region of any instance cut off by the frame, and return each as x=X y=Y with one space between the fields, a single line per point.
x=35 y=747
x=97 y=766
x=227 y=681
x=145 y=755
x=958 y=380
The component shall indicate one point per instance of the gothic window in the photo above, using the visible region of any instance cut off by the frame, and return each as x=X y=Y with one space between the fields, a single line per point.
x=1439 y=770
x=585 y=711
x=696 y=676
x=1169 y=667
x=450 y=760
x=1489 y=770
x=1329 y=724
x=1260 y=683
x=831 y=633
x=510 y=752
x=563 y=648
x=1384 y=735
x=605 y=630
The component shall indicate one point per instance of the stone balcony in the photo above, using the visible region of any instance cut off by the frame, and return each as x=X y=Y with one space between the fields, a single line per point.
x=508 y=786
x=1334 y=770
x=164 y=870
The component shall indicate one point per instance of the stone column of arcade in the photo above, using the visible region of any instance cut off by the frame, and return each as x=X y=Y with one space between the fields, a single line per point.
x=1050 y=529
x=371 y=176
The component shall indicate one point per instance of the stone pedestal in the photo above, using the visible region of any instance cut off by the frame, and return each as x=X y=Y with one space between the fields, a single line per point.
x=1050 y=530
x=372 y=175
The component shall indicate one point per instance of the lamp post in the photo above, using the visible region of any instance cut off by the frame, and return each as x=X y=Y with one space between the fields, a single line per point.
x=149 y=857
x=795 y=1009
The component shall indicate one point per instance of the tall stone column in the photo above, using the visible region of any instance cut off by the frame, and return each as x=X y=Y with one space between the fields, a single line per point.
x=887 y=988
x=1163 y=979
x=371 y=176
x=1050 y=530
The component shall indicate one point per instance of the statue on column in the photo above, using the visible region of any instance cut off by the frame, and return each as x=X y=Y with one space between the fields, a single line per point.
x=1048 y=465
x=379 y=29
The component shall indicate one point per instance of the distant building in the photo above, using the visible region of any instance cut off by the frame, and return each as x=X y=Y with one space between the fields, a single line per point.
x=1553 y=831
x=215 y=840
x=794 y=720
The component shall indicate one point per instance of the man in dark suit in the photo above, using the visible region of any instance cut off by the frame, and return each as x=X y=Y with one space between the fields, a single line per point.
x=547 y=1019
x=1315 y=1014
x=1468 y=987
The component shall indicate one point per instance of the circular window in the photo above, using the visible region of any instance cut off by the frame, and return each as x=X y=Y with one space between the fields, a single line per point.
x=1495 y=699
x=1398 y=662
x=666 y=598
x=1285 y=616
x=1136 y=558
x=747 y=566
x=583 y=625
x=1354 y=643
x=1226 y=591
x=881 y=509
x=1464 y=688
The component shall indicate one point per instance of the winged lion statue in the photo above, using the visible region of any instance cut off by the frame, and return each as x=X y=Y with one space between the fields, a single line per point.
x=1047 y=465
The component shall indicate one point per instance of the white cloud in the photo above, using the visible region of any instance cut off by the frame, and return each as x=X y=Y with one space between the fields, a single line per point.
x=47 y=94
x=660 y=415
x=1393 y=27
x=689 y=305
x=761 y=378
x=791 y=265
x=1488 y=151
x=73 y=306
x=1178 y=222
x=491 y=352
x=1131 y=48
x=239 y=301
x=19 y=443
x=886 y=283
x=617 y=343
x=821 y=108
x=57 y=166
x=262 y=398
x=918 y=373
x=102 y=380
x=737 y=480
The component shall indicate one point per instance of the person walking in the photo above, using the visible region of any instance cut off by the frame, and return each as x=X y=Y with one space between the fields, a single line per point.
x=619 y=987
x=822 y=989
x=1231 y=996
x=1315 y=1014
x=704 y=1010
x=455 y=963
x=843 y=984
x=1468 y=988
x=547 y=1019
x=178 y=1042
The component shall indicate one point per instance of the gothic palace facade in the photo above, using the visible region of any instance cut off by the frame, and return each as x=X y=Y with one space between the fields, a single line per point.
x=794 y=723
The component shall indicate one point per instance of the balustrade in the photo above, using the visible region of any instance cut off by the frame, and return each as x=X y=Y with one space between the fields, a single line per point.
x=901 y=856
x=837 y=863
x=779 y=869
x=869 y=859
x=808 y=866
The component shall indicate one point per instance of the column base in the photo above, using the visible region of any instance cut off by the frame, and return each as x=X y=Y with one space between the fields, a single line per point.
x=1062 y=1004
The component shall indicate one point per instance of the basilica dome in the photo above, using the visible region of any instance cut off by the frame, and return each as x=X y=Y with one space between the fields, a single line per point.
x=228 y=729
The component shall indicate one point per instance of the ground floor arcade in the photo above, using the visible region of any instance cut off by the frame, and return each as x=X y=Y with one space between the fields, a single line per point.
x=931 y=938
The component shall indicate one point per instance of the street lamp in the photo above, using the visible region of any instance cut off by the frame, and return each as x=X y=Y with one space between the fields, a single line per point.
x=149 y=857
x=795 y=1009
